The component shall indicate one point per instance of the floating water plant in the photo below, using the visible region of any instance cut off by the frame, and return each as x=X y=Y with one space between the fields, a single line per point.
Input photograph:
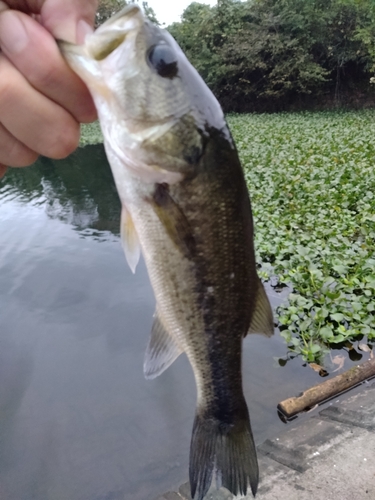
x=311 y=178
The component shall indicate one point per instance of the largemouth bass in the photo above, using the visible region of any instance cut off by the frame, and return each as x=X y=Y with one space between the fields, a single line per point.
x=186 y=207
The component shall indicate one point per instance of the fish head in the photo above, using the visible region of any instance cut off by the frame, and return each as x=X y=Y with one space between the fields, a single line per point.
x=155 y=110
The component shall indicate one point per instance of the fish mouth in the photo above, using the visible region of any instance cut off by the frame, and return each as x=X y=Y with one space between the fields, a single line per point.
x=113 y=32
x=107 y=37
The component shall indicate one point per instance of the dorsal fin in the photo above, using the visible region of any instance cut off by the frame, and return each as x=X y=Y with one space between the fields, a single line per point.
x=262 y=319
x=129 y=239
x=161 y=351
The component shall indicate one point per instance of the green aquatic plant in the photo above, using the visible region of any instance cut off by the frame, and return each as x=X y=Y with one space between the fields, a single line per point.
x=90 y=134
x=311 y=178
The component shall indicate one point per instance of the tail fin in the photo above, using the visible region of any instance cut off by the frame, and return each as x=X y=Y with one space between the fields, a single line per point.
x=227 y=450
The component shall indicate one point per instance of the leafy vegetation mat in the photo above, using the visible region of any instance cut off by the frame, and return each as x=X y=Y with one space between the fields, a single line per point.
x=90 y=134
x=311 y=178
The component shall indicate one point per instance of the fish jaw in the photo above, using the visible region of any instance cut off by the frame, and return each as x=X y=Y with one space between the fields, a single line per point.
x=86 y=60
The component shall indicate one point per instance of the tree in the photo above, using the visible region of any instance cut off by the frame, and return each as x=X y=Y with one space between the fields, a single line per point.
x=268 y=54
x=247 y=54
x=107 y=8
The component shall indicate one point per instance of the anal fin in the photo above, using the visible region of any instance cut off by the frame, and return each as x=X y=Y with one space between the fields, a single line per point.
x=161 y=351
x=129 y=239
x=262 y=319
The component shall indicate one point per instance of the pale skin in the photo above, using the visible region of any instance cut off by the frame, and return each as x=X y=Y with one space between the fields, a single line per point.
x=42 y=102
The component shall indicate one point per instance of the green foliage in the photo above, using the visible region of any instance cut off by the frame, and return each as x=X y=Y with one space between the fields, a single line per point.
x=107 y=8
x=312 y=183
x=269 y=53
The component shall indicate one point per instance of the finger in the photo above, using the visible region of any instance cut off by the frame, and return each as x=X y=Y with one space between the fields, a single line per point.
x=35 y=54
x=36 y=121
x=65 y=19
x=69 y=19
x=3 y=6
x=3 y=169
x=12 y=152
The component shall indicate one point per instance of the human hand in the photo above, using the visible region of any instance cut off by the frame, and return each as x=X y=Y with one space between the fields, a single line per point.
x=42 y=102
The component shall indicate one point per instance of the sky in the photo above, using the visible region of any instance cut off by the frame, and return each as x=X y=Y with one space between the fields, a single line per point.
x=170 y=11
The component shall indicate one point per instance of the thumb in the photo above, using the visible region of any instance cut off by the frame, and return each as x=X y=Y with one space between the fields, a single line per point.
x=69 y=20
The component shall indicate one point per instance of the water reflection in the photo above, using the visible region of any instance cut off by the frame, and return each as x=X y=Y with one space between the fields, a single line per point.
x=78 y=190
x=77 y=419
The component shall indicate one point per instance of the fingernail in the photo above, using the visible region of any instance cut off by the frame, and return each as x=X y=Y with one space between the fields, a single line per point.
x=13 y=35
x=83 y=29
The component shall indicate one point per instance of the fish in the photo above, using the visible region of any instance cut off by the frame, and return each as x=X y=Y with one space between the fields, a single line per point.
x=186 y=208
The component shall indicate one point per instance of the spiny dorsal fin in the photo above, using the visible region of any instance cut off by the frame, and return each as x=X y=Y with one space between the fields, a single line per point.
x=129 y=239
x=161 y=351
x=262 y=320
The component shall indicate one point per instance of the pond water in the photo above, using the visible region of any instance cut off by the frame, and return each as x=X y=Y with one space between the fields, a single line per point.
x=78 y=421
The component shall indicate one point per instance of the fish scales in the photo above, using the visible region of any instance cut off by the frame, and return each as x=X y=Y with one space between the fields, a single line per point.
x=187 y=209
x=214 y=278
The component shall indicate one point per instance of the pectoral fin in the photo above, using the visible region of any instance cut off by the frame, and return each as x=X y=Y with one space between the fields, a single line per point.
x=161 y=351
x=262 y=319
x=129 y=238
x=173 y=220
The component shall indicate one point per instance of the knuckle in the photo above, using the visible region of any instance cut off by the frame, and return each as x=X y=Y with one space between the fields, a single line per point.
x=20 y=156
x=24 y=160
x=13 y=153
x=45 y=78
x=9 y=84
x=8 y=92
x=64 y=143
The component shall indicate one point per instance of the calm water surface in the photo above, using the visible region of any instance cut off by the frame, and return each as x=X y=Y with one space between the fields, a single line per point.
x=78 y=421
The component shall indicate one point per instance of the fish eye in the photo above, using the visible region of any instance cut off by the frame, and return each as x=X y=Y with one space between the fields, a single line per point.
x=163 y=59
